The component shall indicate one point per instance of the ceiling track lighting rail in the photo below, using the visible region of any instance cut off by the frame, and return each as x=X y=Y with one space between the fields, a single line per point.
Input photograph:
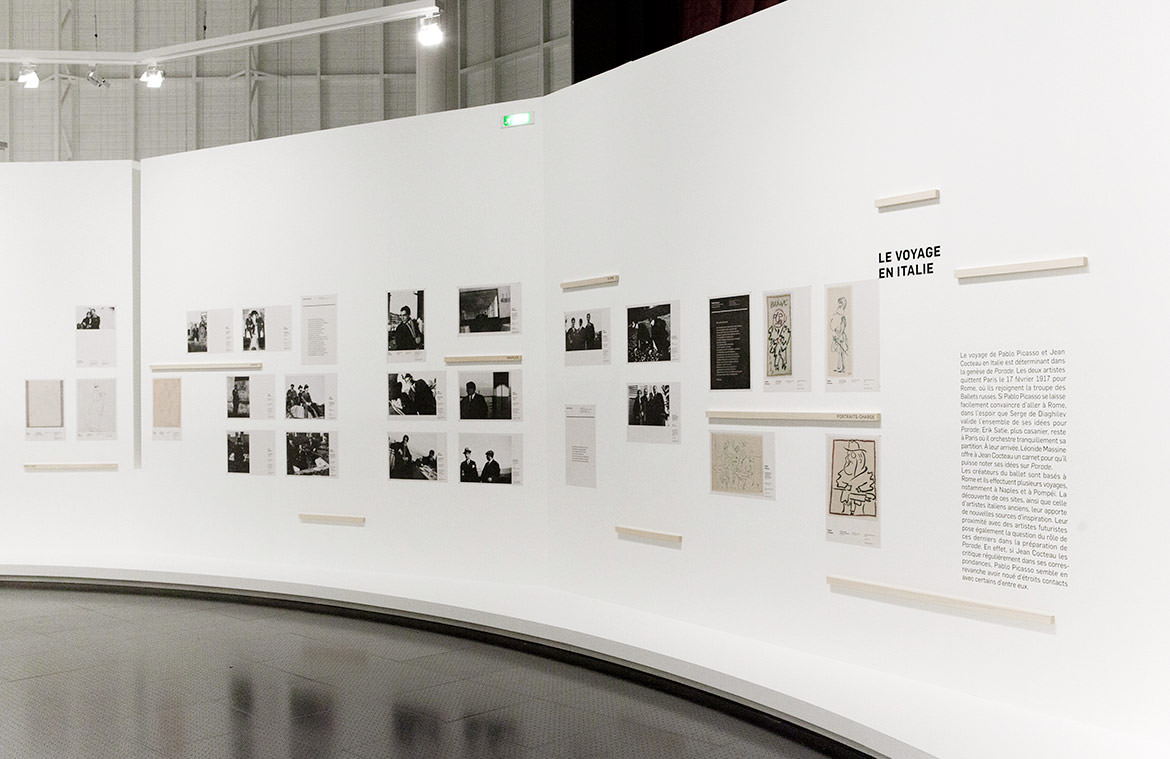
x=425 y=10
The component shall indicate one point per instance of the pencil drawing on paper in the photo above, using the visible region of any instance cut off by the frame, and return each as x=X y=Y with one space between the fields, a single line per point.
x=779 y=352
x=168 y=406
x=840 y=330
x=853 y=478
x=737 y=463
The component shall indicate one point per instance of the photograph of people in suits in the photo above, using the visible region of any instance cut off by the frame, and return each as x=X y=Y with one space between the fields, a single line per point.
x=238 y=458
x=404 y=320
x=413 y=457
x=581 y=333
x=486 y=459
x=413 y=394
x=307 y=396
x=648 y=405
x=486 y=394
x=648 y=333
x=307 y=453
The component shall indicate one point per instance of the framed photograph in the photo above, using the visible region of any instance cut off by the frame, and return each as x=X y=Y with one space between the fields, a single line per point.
x=490 y=308
x=418 y=456
x=417 y=394
x=405 y=330
x=652 y=333
x=489 y=394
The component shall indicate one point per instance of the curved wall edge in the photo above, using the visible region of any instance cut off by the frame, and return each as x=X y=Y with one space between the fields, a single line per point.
x=828 y=697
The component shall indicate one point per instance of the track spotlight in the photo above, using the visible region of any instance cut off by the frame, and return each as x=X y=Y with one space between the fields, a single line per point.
x=152 y=77
x=429 y=31
x=94 y=79
x=28 y=77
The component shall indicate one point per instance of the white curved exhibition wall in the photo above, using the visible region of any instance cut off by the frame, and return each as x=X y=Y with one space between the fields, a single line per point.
x=743 y=161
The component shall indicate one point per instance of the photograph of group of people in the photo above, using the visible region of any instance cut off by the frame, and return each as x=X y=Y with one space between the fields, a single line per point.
x=416 y=393
x=197 y=332
x=488 y=309
x=649 y=333
x=489 y=458
x=95 y=317
x=648 y=405
x=417 y=456
x=308 y=453
x=238 y=454
x=404 y=321
x=587 y=337
x=310 y=396
x=489 y=395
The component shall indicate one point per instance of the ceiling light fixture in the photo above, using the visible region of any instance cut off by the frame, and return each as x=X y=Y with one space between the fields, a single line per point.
x=429 y=31
x=94 y=79
x=153 y=76
x=28 y=77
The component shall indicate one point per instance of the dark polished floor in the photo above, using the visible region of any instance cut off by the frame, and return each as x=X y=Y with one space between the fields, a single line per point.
x=91 y=675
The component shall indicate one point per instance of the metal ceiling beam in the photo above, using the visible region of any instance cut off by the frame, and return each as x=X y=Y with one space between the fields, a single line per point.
x=388 y=14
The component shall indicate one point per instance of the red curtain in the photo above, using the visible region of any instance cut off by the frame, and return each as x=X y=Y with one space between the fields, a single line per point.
x=700 y=16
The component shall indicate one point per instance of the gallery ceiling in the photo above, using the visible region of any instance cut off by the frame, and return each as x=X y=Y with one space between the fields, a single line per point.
x=495 y=50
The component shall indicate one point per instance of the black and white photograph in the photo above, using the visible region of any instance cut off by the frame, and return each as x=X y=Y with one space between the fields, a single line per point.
x=490 y=458
x=405 y=329
x=489 y=395
x=417 y=393
x=209 y=331
x=310 y=396
x=490 y=308
x=239 y=403
x=652 y=413
x=95 y=317
x=310 y=453
x=238 y=453
x=255 y=336
x=96 y=342
x=418 y=456
x=587 y=337
x=652 y=333
x=196 y=331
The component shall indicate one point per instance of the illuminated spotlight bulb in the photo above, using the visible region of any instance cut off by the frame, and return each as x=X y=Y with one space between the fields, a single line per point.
x=152 y=77
x=28 y=77
x=429 y=31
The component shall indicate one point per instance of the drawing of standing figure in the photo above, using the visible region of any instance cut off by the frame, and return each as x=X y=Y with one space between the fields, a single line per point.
x=839 y=337
x=779 y=336
x=854 y=485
